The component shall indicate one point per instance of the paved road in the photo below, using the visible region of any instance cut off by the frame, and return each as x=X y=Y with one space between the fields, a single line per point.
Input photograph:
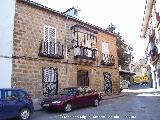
x=135 y=106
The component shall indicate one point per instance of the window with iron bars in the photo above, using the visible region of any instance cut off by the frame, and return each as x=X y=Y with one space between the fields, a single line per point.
x=50 y=81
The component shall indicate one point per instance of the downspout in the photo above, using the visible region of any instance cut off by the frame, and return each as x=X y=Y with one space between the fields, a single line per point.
x=66 y=50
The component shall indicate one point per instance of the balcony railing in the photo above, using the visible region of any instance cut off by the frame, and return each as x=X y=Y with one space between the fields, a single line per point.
x=51 y=50
x=85 y=53
x=108 y=59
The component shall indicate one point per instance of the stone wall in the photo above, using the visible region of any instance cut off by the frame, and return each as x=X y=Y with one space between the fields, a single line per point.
x=27 y=65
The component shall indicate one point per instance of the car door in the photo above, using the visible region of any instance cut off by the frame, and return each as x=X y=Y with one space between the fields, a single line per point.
x=10 y=106
x=79 y=99
x=89 y=96
x=1 y=105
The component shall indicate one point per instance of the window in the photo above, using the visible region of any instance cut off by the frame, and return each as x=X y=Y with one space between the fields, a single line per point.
x=84 y=42
x=10 y=94
x=0 y=94
x=88 y=90
x=105 y=52
x=105 y=49
x=21 y=94
x=107 y=82
x=50 y=81
x=49 y=33
x=49 y=40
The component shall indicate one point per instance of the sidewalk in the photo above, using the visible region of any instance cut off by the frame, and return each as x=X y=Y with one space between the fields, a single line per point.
x=37 y=106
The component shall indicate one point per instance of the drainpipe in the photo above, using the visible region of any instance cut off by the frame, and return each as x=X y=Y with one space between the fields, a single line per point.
x=66 y=50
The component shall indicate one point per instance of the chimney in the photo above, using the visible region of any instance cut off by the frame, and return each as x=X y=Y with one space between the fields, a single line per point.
x=72 y=12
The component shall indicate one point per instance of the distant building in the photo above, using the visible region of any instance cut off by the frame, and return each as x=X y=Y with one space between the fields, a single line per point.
x=140 y=69
x=151 y=32
x=126 y=72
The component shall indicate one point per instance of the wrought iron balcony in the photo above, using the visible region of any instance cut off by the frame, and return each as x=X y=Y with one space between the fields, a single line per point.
x=51 y=50
x=108 y=59
x=85 y=53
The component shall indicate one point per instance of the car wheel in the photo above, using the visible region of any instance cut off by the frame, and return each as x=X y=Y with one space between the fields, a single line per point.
x=96 y=102
x=24 y=114
x=68 y=107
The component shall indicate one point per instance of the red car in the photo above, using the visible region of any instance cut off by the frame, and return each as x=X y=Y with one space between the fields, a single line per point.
x=72 y=97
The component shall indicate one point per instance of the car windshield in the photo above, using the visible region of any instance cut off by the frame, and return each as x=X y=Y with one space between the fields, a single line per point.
x=68 y=91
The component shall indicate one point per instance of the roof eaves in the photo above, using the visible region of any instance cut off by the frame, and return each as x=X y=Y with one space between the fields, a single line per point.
x=147 y=14
x=64 y=15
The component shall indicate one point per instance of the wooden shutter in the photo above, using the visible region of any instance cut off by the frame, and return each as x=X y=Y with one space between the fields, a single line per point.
x=52 y=34
x=46 y=33
x=49 y=39
x=49 y=33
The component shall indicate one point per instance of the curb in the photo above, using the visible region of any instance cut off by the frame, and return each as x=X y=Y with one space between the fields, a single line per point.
x=37 y=107
x=37 y=110
x=114 y=96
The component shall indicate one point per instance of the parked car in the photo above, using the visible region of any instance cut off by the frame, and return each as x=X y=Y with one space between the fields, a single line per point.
x=71 y=98
x=129 y=83
x=15 y=103
x=144 y=83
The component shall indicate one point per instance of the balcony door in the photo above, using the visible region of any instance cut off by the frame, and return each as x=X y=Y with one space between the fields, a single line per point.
x=82 y=78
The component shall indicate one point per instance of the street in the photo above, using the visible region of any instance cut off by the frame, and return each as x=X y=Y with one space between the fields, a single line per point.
x=141 y=103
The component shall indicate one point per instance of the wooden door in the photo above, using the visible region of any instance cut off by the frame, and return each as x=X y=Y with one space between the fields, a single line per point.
x=82 y=78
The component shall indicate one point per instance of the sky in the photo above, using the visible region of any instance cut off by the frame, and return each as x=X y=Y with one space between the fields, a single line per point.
x=126 y=15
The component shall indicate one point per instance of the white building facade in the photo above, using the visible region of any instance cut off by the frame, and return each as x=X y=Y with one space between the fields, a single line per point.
x=7 y=12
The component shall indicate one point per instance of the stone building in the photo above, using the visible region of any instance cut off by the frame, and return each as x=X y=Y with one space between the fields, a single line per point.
x=52 y=50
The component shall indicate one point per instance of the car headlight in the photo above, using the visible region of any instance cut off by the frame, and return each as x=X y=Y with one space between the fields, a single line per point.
x=56 y=102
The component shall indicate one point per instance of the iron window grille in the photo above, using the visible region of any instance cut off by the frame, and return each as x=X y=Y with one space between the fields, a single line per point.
x=50 y=81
